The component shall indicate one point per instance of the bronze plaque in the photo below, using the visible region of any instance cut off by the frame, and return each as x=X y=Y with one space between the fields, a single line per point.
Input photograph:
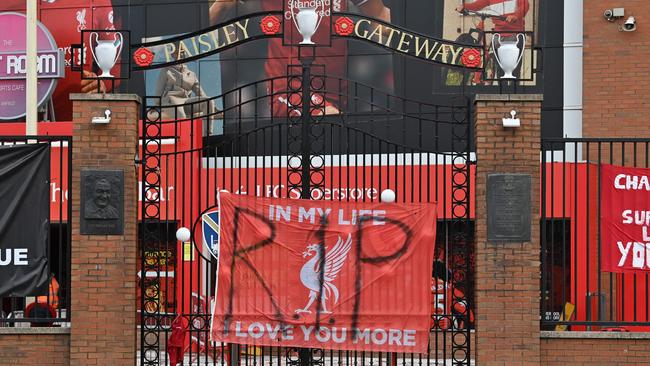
x=508 y=207
x=102 y=202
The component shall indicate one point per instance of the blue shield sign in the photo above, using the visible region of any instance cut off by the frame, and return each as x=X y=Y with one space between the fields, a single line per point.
x=210 y=228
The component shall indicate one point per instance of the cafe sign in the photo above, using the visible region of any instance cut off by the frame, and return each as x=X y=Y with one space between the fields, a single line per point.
x=13 y=65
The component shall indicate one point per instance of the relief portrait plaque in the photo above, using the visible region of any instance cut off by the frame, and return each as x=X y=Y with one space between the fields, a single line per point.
x=102 y=202
x=508 y=207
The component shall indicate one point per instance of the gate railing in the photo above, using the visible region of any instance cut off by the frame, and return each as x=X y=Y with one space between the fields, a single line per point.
x=576 y=293
x=51 y=308
x=419 y=150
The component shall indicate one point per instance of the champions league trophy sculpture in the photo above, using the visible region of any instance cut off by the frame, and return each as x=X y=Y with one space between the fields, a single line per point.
x=307 y=18
x=106 y=52
x=508 y=54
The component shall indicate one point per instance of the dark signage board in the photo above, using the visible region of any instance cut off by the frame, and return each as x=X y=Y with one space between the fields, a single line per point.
x=24 y=219
x=102 y=202
x=508 y=207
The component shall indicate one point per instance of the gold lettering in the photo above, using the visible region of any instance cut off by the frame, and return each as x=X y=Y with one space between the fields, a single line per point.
x=442 y=51
x=402 y=42
x=169 y=50
x=358 y=25
x=389 y=39
x=205 y=43
x=454 y=55
x=244 y=28
x=228 y=33
x=215 y=38
x=378 y=32
x=419 y=46
x=196 y=47
x=182 y=48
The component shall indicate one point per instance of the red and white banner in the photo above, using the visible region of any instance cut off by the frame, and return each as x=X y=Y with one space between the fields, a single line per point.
x=625 y=219
x=336 y=275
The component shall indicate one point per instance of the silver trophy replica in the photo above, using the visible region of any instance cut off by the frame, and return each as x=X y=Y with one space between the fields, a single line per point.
x=508 y=54
x=308 y=17
x=106 y=52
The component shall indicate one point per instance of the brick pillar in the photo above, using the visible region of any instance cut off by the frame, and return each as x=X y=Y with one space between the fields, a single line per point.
x=104 y=266
x=507 y=273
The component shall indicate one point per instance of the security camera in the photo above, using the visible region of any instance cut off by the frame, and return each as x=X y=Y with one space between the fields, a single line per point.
x=615 y=13
x=609 y=14
x=629 y=25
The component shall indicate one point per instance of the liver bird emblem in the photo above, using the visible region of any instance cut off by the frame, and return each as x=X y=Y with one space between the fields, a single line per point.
x=309 y=274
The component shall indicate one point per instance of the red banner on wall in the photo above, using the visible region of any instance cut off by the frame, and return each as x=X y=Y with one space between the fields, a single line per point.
x=371 y=291
x=625 y=219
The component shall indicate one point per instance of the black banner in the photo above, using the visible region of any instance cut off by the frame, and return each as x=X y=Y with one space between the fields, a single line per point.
x=24 y=219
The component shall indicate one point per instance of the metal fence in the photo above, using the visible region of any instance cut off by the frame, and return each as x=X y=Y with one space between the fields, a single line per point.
x=577 y=294
x=51 y=308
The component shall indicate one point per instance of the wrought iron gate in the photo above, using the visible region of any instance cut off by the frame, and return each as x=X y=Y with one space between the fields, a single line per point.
x=274 y=138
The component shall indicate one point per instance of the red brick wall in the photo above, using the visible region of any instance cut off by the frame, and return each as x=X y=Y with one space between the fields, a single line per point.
x=594 y=352
x=104 y=266
x=616 y=79
x=34 y=349
x=507 y=274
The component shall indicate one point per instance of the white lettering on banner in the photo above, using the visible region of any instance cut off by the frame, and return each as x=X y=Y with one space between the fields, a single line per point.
x=632 y=182
x=301 y=214
x=640 y=250
x=624 y=251
x=306 y=331
x=637 y=217
x=310 y=215
x=256 y=330
x=378 y=336
x=15 y=256
x=626 y=221
x=306 y=214
x=284 y=213
x=640 y=254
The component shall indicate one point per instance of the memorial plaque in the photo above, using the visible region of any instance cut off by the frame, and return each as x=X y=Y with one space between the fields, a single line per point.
x=508 y=207
x=102 y=202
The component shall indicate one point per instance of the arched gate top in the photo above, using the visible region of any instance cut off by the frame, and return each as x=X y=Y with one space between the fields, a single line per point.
x=277 y=24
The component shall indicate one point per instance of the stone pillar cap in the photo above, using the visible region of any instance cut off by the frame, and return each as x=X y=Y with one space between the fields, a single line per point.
x=106 y=97
x=509 y=97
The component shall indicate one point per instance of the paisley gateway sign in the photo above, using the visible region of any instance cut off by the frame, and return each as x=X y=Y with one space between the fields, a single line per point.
x=200 y=44
x=209 y=41
x=413 y=44
x=271 y=24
